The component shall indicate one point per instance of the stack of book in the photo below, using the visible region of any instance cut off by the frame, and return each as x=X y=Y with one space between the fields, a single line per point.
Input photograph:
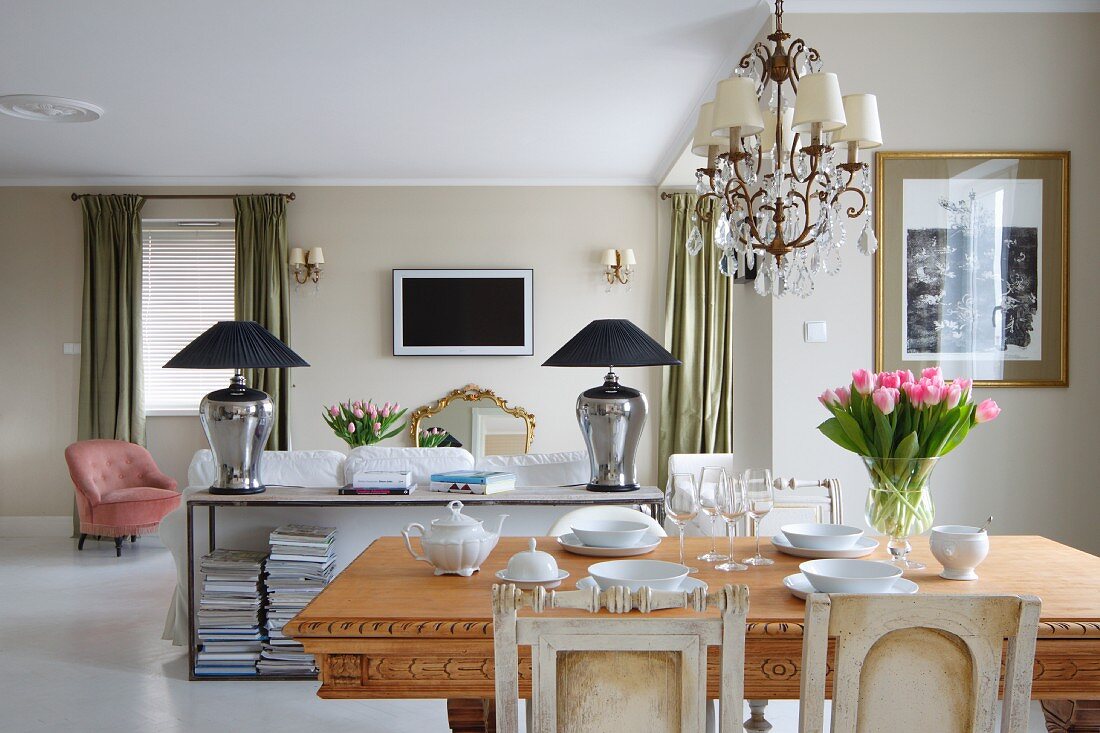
x=380 y=482
x=228 y=618
x=473 y=482
x=300 y=565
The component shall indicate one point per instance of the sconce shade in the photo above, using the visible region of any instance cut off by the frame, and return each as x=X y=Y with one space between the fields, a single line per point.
x=297 y=257
x=861 y=112
x=236 y=345
x=703 y=139
x=736 y=105
x=818 y=101
x=628 y=258
x=316 y=256
x=611 y=342
x=767 y=135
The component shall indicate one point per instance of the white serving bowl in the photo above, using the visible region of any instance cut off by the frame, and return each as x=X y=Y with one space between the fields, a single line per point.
x=960 y=549
x=609 y=532
x=850 y=576
x=818 y=536
x=633 y=574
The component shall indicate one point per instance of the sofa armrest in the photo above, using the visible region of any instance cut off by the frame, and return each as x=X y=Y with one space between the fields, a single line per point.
x=160 y=480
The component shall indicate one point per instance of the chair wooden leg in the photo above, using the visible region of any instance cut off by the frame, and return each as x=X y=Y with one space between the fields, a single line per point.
x=80 y=542
x=133 y=538
x=757 y=723
x=118 y=546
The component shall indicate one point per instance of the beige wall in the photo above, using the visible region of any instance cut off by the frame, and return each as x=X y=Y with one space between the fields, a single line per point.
x=964 y=82
x=344 y=331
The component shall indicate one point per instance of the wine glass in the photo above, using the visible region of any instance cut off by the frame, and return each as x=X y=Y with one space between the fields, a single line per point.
x=682 y=505
x=710 y=481
x=759 y=497
x=731 y=506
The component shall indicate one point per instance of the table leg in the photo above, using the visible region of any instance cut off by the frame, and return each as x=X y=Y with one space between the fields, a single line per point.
x=472 y=716
x=1072 y=716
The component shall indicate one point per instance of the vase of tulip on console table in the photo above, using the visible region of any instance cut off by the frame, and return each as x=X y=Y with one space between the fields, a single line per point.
x=901 y=426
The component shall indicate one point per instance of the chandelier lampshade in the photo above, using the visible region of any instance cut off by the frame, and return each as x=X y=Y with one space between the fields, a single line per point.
x=702 y=140
x=819 y=103
x=736 y=105
x=863 y=128
x=777 y=182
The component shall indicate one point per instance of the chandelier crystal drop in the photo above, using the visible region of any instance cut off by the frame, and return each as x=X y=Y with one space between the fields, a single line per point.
x=782 y=149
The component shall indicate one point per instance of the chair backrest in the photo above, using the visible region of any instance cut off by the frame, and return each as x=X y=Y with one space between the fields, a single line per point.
x=795 y=505
x=99 y=466
x=694 y=463
x=919 y=662
x=564 y=524
x=609 y=673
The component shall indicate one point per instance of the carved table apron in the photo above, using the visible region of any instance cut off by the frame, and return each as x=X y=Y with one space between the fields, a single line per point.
x=388 y=628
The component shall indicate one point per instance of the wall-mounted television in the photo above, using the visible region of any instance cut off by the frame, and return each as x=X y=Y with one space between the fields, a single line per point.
x=463 y=312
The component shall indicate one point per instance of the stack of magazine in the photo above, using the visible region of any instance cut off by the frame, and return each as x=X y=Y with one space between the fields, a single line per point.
x=300 y=565
x=228 y=619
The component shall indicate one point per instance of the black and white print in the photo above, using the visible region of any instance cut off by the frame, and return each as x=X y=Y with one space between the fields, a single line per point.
x=972 y=269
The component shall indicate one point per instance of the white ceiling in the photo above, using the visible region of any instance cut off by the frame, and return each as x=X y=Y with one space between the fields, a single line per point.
x=377 y=91
x=365 y=91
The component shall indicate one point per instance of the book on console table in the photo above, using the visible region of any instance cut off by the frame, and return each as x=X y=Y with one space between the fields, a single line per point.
x=382 y=480
x=473 y=482
x=352 y=490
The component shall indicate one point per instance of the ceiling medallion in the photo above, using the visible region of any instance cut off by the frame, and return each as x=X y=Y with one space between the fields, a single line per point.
x=771 y=173
x=44 y=108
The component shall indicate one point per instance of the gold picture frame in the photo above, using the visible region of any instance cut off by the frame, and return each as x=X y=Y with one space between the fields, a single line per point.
x=1001 y=221
x=471 y=393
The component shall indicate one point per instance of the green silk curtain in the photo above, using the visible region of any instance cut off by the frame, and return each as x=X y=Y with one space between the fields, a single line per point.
x=262 y=293
x=111 y=402
x=697 y=397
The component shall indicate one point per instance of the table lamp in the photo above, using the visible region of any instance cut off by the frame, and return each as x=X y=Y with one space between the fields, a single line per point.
x=237 y=420
x=612 y=416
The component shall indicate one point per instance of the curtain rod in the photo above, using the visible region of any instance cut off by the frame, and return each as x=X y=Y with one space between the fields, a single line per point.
x=288 y=196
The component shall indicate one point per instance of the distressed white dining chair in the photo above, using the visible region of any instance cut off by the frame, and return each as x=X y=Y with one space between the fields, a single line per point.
x=618 y=672
x=564 y=524
x=924 y=662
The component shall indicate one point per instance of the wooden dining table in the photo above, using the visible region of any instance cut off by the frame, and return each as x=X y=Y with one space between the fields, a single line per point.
x=387 y=627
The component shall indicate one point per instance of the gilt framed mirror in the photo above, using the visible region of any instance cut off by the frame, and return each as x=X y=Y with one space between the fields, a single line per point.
x=476 y=419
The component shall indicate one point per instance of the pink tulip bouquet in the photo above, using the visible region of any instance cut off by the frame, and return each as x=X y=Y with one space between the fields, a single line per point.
x=901 y=425
x=432 y=437
x=364 y=423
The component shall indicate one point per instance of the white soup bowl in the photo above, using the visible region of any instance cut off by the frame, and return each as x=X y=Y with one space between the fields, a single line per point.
x=634 y=574
x=609 y=532
x=850 y=576
x=819 y=536
x=960 y=549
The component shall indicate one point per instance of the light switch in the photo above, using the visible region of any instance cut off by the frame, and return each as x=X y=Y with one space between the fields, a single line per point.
x=71 y=349
x=814 y=332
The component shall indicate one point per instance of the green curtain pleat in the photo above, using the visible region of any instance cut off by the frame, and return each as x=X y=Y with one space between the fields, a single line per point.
x=697 y=397
x=111 y=403
x=262 y=293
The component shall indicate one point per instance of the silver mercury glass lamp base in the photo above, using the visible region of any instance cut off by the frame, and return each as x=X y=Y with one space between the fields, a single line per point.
x=611 y=418
x=237 y=421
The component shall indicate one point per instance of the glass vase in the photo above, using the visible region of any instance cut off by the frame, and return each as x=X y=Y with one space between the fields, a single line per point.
x=899 y=502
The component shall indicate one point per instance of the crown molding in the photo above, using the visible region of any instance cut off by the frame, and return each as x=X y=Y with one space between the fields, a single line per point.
x=941 y=6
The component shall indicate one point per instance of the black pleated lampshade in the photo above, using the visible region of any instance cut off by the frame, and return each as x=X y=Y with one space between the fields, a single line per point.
x=611 y=342
x=236 y=345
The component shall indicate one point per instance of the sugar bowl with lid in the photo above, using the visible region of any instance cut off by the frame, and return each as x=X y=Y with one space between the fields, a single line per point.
x=531 y=568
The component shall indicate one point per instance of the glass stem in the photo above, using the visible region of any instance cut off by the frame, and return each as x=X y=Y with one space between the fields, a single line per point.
x=729 y=533
x=712 y=520
x=756 y=526
x=681 y=526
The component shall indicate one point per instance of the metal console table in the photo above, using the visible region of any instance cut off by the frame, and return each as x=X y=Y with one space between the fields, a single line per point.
x=647 y=497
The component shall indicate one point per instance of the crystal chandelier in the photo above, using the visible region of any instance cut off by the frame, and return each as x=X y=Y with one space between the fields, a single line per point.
x=773 y=173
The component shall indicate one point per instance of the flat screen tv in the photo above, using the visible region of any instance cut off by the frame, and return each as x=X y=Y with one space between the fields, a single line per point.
x=463 y=312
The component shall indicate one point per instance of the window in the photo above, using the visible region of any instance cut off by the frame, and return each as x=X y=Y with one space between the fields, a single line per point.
x=187 y=286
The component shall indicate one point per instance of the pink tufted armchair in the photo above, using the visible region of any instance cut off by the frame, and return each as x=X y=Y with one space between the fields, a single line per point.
x=119 y=490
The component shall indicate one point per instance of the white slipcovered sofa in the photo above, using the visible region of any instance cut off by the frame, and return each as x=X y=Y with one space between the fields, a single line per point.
x=357 y=527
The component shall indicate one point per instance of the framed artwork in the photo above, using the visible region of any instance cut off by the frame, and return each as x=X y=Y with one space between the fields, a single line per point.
x=972 y=270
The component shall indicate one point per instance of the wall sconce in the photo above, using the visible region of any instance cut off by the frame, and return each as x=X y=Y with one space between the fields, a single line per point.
x=306 y=264
x=618 y=267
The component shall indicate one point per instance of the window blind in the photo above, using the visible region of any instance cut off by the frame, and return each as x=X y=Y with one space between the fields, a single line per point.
x=187 y=286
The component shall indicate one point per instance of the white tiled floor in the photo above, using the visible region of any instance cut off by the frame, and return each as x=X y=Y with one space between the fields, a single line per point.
x=80 y=651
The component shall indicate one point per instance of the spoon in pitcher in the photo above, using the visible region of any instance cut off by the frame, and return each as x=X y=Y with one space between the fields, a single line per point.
x=985 y=527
